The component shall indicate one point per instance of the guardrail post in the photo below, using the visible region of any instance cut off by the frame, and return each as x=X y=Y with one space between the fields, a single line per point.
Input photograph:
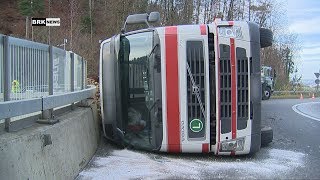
x=72 y=76
x=84 y=102
x=85 y=66
x=82 y=72
x=7 y=76
x=47 y=115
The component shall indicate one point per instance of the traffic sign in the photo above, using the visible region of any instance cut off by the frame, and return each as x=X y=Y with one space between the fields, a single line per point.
x=196 y=125
x=317 y=74
x=317 y=81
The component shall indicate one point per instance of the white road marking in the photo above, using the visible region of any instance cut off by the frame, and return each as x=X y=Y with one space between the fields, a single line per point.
x=295 y=109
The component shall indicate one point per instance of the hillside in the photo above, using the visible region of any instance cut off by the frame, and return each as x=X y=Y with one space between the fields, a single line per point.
x=85 y=22
x=11 y=22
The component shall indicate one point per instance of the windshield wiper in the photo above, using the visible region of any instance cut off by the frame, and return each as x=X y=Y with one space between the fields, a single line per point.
x=152 y=51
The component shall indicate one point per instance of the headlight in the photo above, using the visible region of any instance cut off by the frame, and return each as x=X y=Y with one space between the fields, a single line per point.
x=233 y=145
x=231 y=32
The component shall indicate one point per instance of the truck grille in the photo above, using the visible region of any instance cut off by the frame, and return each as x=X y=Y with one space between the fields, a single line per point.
x=195 y=86
x=243 y=84
x=212 y=89
x=225 y=88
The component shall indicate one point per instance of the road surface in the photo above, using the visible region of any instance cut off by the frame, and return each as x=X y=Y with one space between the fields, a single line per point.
x=294 y=153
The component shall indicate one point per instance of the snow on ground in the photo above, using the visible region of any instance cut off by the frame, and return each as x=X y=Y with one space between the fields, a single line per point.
x=127 y=164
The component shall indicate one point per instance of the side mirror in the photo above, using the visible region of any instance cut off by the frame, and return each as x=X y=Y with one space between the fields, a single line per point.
x=154 y=17
x=141 y=19
x=137 y=19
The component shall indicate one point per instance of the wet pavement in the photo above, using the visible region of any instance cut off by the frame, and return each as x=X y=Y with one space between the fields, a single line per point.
x=293 y=154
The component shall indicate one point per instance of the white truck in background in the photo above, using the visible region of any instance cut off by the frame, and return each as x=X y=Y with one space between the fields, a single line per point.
x=267 y=81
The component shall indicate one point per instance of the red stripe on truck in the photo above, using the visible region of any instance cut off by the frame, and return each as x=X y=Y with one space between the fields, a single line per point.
x=233 y=89
x=203 y=29
x=205 y=148
x=172 y=89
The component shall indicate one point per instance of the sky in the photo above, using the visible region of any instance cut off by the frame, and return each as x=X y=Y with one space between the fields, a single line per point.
x=304 y=20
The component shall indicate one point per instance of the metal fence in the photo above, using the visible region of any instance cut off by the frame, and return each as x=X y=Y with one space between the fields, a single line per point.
x=35 y=78
x=1 y=69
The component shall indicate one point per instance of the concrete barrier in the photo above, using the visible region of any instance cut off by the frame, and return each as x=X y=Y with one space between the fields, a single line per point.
x=56 y=151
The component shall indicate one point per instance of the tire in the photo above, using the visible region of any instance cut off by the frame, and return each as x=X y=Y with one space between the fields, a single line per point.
x=266 y=37
x=266 y=136
x=266 y=93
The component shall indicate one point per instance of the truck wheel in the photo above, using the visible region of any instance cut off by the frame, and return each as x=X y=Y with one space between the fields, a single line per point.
x=266 y=93
x=266 y=136
x=266 y=37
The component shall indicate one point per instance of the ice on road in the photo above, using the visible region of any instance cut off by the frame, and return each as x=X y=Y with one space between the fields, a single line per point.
x=127 y=164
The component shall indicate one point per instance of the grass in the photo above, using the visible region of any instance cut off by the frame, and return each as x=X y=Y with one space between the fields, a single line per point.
x=294 y=96
x=285 y=97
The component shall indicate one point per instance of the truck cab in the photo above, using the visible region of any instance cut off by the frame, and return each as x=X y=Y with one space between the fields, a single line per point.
x=183 y=89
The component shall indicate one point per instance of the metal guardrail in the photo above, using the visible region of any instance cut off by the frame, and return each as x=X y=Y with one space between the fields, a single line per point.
x=26 y=106
x=37 y=77
x=292 y=91
x=298 y=93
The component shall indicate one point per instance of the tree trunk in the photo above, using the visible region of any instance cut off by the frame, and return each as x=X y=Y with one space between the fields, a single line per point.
x=231 y=10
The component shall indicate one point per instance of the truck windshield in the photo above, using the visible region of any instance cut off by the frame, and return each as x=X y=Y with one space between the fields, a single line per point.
x=138 y=100
x=265 y=72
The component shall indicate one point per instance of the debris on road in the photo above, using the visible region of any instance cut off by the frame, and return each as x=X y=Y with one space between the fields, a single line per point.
x=125 y=164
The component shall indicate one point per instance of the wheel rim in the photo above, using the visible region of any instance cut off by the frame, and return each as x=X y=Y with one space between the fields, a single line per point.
x=266 y=93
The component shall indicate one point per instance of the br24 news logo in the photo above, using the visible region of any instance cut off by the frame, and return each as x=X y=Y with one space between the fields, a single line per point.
x=45 y=21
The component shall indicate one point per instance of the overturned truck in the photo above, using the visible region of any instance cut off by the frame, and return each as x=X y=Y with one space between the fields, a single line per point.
x=189 y=88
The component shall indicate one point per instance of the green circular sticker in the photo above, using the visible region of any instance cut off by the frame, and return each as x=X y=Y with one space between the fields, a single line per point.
x=196 y=125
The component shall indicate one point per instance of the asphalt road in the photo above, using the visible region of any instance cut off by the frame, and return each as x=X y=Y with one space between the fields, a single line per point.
x=293 y=154
x=296 y=132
